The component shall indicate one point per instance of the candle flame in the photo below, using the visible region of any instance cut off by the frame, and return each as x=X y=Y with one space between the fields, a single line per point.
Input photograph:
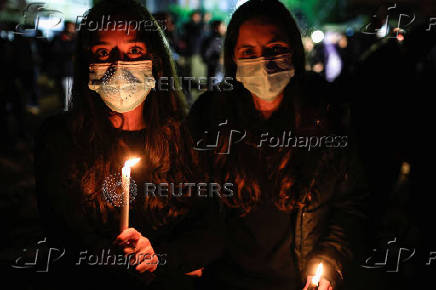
x=131 y=162
x=317 y=277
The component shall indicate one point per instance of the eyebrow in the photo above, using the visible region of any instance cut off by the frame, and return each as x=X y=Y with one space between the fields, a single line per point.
x=273 y=40
x=105 y=42
x=276 y=39
x=245 y=46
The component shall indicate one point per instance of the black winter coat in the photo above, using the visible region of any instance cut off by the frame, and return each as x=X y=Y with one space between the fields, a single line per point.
x=329 y=190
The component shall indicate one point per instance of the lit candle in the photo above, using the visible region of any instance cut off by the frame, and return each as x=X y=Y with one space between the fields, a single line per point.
x=124 y=220
x=315 y=279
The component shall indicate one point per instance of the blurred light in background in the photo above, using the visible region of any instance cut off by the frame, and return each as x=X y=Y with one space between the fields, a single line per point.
x=383 y=31
x=71 y=9
x=49 y=16
x=317 y=36
x=240 y=2
x=333 y=62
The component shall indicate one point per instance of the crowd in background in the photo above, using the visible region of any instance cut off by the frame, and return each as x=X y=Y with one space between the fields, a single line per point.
x=41 y=67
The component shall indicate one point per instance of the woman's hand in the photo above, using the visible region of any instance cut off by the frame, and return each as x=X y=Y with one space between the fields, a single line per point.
x=323 y=284
x=139 y=249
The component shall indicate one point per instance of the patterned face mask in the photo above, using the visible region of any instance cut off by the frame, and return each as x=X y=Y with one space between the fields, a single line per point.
x=265 y=77
x=123 y=85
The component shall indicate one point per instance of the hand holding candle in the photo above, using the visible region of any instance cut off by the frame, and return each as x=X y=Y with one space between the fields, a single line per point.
x=317 y=282
x=138 y=249
x=124 y=220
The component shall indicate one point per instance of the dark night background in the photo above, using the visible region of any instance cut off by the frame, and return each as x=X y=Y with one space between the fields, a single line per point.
x=386 y=73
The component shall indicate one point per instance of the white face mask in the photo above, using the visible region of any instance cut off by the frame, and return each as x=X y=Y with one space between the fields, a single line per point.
x=123 y=85
x=265 y=77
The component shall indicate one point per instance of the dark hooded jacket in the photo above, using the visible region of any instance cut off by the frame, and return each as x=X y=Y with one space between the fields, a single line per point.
x=328 y=193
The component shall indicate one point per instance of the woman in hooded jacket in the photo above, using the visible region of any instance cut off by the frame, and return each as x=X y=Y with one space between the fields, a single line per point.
x=298 y=188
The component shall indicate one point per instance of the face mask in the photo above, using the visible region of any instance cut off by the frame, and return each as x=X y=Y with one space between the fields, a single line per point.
x=124 y=85
x=264 y=77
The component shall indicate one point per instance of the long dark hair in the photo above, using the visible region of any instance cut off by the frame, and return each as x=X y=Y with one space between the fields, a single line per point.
x=93 y=132
x=284 y=181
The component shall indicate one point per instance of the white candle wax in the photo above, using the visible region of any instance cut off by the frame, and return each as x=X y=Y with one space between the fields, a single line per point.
x=124 y=221
x=125 y=173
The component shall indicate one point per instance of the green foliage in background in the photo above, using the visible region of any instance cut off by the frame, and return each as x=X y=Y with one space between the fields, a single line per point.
x=309 y=13
x=183 y=14
x=315 y=12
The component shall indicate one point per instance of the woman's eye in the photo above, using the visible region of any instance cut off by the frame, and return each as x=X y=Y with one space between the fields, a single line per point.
x=136 y=51
x=248 y=53
x=279 y=49
x=102 y=53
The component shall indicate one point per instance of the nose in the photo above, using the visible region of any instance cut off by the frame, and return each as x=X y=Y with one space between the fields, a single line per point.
x=117 y=55
x=271 y=66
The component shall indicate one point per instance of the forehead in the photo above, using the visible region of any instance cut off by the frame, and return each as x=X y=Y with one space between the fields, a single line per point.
x=257 y=32
x=116 y=36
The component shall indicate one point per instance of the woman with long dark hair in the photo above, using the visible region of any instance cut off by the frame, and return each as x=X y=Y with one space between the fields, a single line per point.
x=117 y=112
x=297 y=196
